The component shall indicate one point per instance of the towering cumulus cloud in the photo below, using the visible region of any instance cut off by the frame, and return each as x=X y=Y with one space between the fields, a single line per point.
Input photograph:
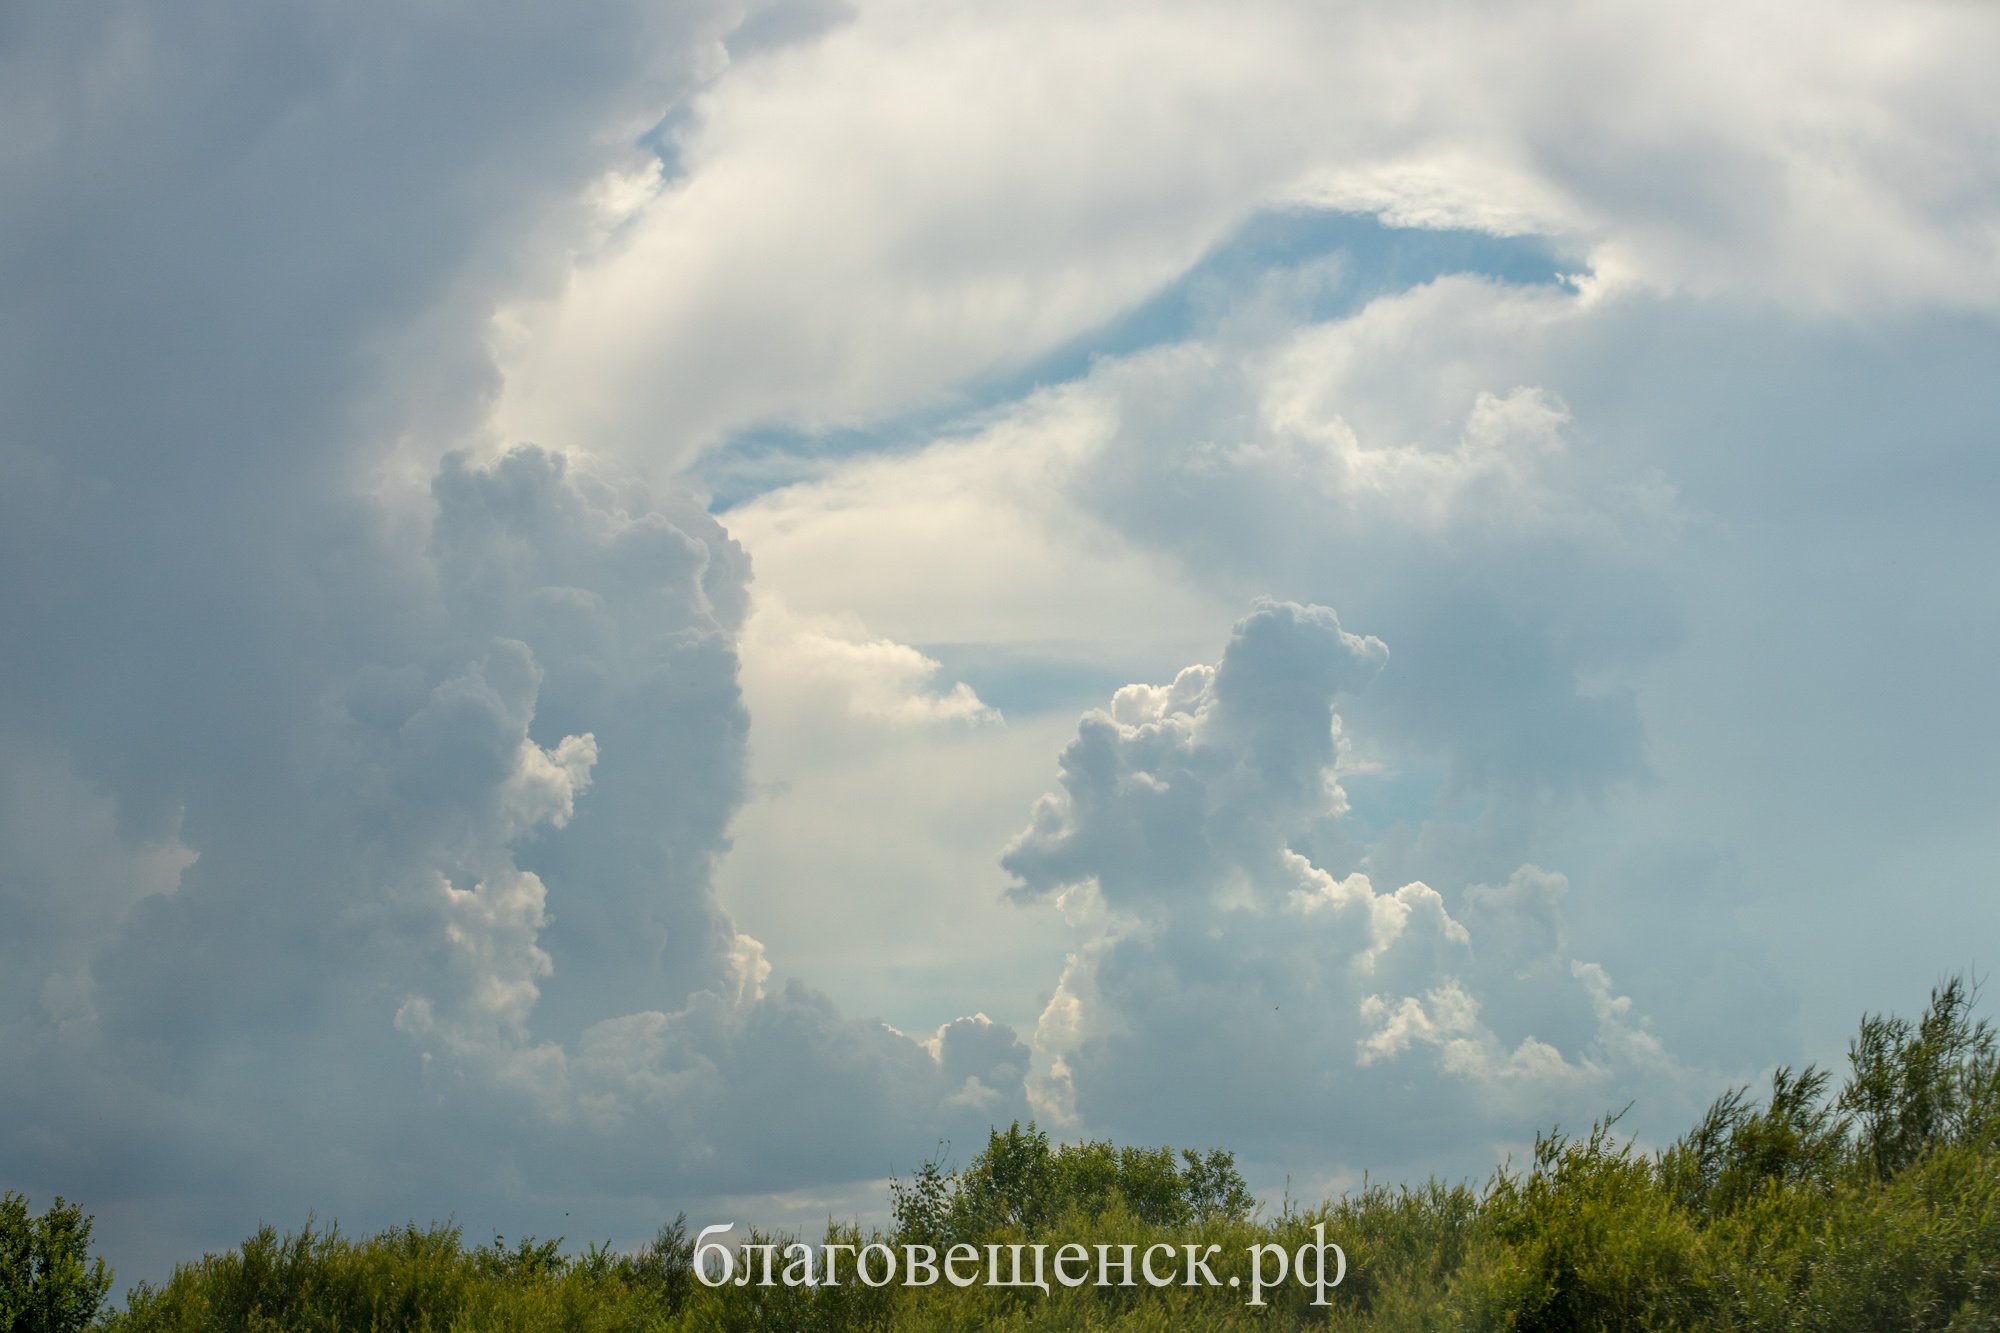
x=470 y=918
x=362 y=774
x=1327 y=1016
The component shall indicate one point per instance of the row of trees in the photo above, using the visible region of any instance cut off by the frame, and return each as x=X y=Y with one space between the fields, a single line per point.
x=1874 y=1204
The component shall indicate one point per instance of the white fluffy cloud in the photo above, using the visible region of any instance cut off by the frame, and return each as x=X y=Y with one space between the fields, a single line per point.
x=1383 y=1026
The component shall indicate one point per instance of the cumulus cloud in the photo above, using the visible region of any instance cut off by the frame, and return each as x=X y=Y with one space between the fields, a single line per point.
x=1222 y=753
x=1622 y=546
x=1325 y=1013
x=502 y=864
x=398 y=761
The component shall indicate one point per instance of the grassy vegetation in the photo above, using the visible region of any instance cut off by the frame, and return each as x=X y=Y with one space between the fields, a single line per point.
x=1872 y=1205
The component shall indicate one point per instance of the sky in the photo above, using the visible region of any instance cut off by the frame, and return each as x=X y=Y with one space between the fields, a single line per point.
x=682 y=606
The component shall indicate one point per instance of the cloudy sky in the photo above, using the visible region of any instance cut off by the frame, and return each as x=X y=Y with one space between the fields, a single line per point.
x=663 y=608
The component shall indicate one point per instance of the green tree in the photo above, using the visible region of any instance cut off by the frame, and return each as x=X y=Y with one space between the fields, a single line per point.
x=48 y=1281
x=666 y=1265
x=922 y=1204
x=1020 y=1182
x=1008 y=1184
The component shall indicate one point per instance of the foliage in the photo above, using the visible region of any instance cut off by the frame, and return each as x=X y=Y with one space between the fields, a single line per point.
x=1916 y=1087
x=1796 y=1140
x=1019 y=1182
x=48 y=1282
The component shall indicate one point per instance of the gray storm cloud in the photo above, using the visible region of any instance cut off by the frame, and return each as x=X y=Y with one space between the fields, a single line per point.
x=361 y=779
x=473 y=919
